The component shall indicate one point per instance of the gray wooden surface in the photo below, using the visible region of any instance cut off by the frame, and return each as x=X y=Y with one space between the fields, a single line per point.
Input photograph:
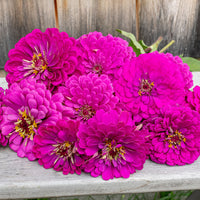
x=172 y=19
x=79 y=17
x=19 y=17
x=177 y=20
x=20 y=178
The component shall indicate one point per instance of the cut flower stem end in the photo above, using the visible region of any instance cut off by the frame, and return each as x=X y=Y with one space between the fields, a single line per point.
x=166 y=47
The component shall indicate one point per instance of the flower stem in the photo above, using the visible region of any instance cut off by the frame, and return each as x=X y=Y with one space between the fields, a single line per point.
x=167 y=46
x=154 y=46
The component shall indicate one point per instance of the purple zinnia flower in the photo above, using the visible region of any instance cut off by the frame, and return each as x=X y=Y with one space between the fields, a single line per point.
x=86 y=94
x=176 y=136
x=193 y=98
x=149 y=82
x=103 y=54
x=48 y=57
x=184 y=68
x=3 y=139
x=55 y=146
x=115 y=147
x=27 y=106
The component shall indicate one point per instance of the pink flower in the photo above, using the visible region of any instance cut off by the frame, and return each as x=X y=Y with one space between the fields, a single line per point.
x=1 y=94
x=176 y=139
x=55 y=146
x=3 y=139
x=28 y=105
x=193 y=99
x=86 y=94
x=103 y=54
x=149 y=82
x=184 y=68
x=115 y=147
x=48 y=57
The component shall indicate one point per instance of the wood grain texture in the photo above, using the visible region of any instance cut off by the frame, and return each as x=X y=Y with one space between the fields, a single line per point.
x=20 y=17
x=79 y=17
x=21 y=178
x=172 y=19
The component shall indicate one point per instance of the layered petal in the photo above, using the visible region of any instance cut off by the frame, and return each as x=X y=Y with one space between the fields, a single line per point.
x=28 y=105
x=115 y=148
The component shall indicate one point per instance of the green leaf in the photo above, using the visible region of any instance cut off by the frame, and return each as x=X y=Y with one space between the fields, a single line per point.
x=193 y=63
x=137 y=48
x=164 y=194
x=107 y=197
x=144 y=46
x=130 y=198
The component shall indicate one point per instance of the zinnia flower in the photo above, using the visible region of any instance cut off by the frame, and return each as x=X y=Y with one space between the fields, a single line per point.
x=193 y=98
x=103 y=54
x=86 y=94
x=176 y=136
x=28 y=105
x=184 y=68
x=55 y=146
x=3 y=139
x=149 y=82
x=115 y=147
x=48 y=57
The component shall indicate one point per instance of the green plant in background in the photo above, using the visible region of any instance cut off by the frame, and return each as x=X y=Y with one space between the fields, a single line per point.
x=178 y=195
x=173 y=195
x=139 y=47
x=39 y=199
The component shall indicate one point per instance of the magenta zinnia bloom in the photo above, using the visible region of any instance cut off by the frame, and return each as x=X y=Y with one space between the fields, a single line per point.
x=103 y=54
x=48 y=57
x=176 y=139
x=86 y=94
x=115 y=147
x=149 y=82
x=27 y=106
x=184 y=68
x=55 y=146
x=3 y=139
x=193 y=98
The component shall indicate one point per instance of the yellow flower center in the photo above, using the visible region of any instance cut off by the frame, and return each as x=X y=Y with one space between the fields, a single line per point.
x=145 y=87
x=25 y=125
x=86 y=112
x=175 y=139
x=39 y=63
x=63 y=150
x=112 y=150
x=97 y=69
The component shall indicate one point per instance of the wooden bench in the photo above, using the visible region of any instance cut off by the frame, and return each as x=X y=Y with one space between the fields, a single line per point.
x=20 y=178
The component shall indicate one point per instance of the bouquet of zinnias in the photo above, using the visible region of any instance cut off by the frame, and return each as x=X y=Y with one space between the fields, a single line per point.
x=91 y=105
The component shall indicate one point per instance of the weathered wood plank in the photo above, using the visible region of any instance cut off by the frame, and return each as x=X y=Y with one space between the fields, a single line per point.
x=172 y=19
x=19 y=17
x=79 y=17
x=21 y=178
